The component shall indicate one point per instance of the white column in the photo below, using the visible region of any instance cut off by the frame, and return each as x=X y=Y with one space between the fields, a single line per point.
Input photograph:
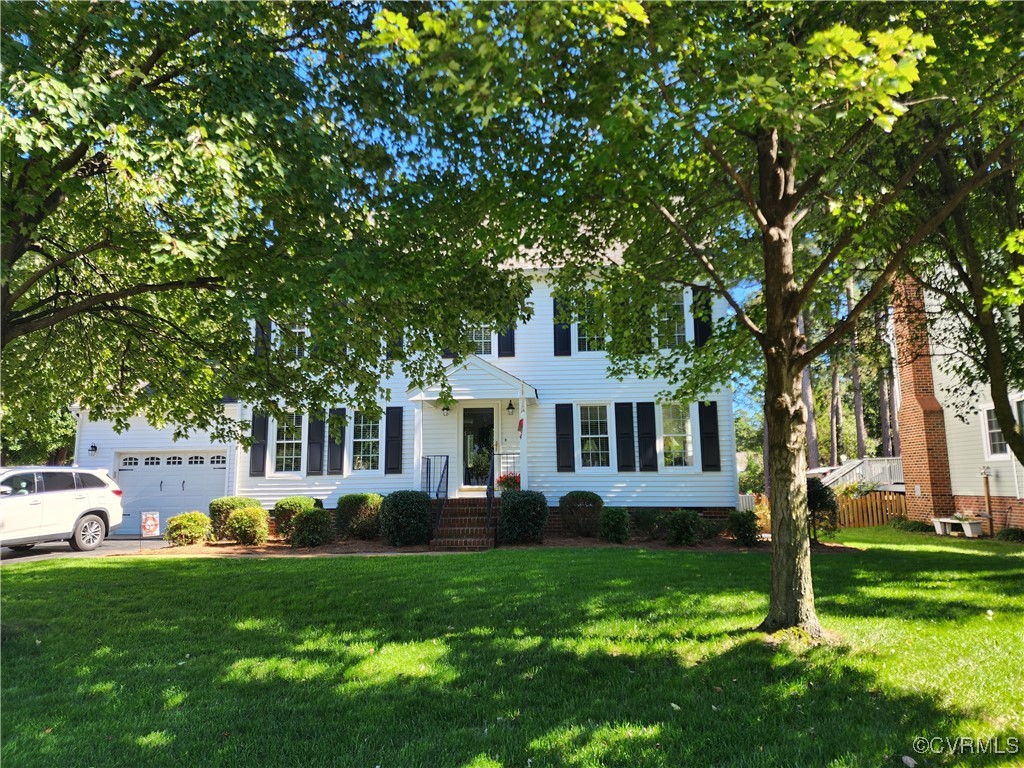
x=417 y=445
x=524 y=455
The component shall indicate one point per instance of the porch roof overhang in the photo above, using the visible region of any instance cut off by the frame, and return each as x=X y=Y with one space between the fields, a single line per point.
x=477 y=379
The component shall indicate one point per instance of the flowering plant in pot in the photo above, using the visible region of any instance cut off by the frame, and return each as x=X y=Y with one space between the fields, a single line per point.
x=508 y=482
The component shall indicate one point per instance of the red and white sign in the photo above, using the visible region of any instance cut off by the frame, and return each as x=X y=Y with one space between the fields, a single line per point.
x=150 y=523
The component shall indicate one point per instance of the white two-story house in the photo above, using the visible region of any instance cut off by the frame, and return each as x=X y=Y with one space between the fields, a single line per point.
x=537 y=397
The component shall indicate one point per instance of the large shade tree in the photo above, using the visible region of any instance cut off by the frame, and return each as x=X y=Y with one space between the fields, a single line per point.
x=175 y=173
x=769 y=151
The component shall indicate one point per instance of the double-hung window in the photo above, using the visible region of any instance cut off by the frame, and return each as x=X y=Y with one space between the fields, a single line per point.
x=589 y=338
x=595 y=450
x=481 y=338
x=672 y=333
x=996 y=442
x=676 y=435
x=288 y=443
x=365 y=443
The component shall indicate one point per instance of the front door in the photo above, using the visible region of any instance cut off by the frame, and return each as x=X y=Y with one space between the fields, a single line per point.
x=477 y=444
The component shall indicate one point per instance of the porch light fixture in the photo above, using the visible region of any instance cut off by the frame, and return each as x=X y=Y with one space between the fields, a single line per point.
x=93 y=449
x=510 y=409
x=445 y=410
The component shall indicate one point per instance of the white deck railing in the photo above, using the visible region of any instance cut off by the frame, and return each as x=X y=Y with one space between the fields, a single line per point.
x=881 y=472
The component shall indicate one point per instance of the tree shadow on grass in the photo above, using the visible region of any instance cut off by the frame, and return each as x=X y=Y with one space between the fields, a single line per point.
x=606 y=660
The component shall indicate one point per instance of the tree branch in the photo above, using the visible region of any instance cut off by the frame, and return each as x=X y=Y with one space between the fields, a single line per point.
x=52 y=265
x=705 y=262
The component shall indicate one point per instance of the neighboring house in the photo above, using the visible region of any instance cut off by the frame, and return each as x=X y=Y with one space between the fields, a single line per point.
x=580 y=430
x=945 y=450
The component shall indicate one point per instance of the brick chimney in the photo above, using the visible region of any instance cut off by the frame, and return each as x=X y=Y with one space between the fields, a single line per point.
x=921 y=423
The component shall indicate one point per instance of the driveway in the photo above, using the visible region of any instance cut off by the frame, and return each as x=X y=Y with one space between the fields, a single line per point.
x=114 y=546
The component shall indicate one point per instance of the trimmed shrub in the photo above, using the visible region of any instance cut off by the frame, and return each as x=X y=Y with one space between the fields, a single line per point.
x=911 y=526
x=648 y=523
x=249 y=526
x=581 y=513
x=823 y=508
x=523 y=515
x=713 y=528
x=405 y=518
x=685 y=526
x=188 y=528
x=615 y=525
x=312 y=527
x=285 y=511
x=743 y=527
x=359 y=515
x=221 y=508
x=1015 y=535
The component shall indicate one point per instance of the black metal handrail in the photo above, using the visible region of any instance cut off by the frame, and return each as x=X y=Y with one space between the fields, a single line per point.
x=435 y=482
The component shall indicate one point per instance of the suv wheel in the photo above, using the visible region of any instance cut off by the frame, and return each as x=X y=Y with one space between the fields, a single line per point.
x=88 y=534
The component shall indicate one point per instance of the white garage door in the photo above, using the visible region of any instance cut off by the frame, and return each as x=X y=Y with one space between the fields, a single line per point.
x=167 y=484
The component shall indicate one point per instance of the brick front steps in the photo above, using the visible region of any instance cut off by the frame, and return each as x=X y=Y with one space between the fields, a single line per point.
x=463 y=526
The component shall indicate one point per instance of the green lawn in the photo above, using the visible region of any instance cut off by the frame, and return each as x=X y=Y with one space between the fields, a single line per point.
x=518 y=657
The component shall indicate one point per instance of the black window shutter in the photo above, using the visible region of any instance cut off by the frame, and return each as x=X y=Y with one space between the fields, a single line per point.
x=565 y=449
x=336 y=446
x=647 y=437
x=563 y=337
x=701 y=308
x=710 y=453
x=507 y=343
x=394 y=348
x=262 y=337
x=258 y=451
x=624 y=444
x=315 y=446
x=447 y=354
x=393 y=441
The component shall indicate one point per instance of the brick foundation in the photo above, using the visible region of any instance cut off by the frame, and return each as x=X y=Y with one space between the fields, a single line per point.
x=1007 y=512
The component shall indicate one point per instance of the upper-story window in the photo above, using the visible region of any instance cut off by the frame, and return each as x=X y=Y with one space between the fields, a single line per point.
x=672 y=333
x=365 y=443
x=294 y=339
x=996 y=442
x=677 y=437
x=595 y=448
x=288 y=443
x=588 y=339
x=481 y=338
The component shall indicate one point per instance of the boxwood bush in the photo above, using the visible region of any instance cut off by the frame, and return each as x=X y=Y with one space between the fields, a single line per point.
x=911 y=526
x=249 y=526
x=285 y=511
x=523 y=515
x=581 y=512
x=405 y=518
x=685 y=526
x=823 y=508
x=744 y=527
x=188 y=528
x=648 y=523
x=224 y=506
x=615 y=524
x=359 y=515
x=312 y=527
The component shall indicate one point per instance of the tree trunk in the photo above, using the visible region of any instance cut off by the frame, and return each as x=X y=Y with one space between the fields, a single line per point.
x=883 y=411
x=836 y=417
x=791 y=601
x=858 y=395
x=764 y=457
x=807 y=395
x=792 y=593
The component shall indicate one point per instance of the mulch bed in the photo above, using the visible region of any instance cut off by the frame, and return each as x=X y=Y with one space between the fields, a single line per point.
x=278 y=548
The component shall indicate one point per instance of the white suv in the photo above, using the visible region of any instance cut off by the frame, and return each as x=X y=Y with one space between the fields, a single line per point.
x=40 y=504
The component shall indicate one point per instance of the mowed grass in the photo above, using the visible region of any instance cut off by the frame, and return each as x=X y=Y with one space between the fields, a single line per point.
x=516 y=657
